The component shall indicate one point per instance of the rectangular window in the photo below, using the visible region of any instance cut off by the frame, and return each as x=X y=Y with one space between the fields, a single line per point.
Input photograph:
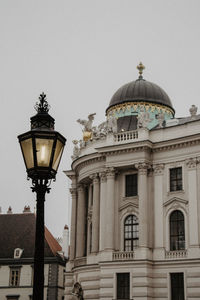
x=177 y=286
x=12 y=297
x=14 y=276
x=131 y=185
x=123 y=286
x=176 y=179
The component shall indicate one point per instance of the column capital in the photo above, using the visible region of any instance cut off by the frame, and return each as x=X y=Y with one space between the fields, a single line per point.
x=95 y=177
x=73 y=191
x=191 y=163
x=80 y=187
x=102 y=176
x=110 y=172
x=142 y=168
x=158 y=169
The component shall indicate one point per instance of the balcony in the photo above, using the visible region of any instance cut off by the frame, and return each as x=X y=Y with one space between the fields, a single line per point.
x=123 y=255
x=126 y=136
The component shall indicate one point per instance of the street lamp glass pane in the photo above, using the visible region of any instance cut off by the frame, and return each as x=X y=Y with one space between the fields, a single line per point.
x=57 y=155
x=43 y=151
x=27 y=150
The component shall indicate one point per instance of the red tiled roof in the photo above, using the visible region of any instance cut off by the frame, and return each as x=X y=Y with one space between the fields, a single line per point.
x=18 y=231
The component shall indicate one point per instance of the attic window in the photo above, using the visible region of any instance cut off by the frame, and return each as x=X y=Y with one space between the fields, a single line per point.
x=18 y=253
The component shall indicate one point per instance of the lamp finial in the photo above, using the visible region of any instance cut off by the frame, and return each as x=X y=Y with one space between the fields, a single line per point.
x=42 y=106
x=140 y=67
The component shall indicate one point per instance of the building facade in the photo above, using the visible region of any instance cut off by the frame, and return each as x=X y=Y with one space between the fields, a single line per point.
x=17 y=237
x=135 y=225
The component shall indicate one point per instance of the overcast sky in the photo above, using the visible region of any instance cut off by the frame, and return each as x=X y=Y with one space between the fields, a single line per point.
x=79 y=52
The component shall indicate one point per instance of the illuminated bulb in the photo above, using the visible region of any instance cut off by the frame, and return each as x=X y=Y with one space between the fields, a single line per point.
x=43 y=150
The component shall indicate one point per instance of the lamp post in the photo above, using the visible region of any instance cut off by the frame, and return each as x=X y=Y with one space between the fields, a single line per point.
x=42 y=148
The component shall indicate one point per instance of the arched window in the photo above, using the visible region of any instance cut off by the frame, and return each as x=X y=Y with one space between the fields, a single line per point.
x=177 y=231
x=131 y=236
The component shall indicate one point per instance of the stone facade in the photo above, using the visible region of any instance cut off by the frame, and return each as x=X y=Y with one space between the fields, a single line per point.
x=100 y=207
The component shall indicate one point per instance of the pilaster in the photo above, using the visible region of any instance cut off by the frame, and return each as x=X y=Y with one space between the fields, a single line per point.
x=95 y=213
x=191 y=165
x=80 y=236
x=103 y=200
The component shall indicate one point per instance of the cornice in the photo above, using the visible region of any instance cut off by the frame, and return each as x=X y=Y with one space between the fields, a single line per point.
x=182 y=142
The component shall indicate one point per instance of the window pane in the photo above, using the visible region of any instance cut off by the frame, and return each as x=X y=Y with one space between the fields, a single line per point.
x=177 y=286
x=28 y=153
x=131 y=185
x=123 y=285
x=130 y=233
x=176 y=179
x=57 y=155
x=177 y=231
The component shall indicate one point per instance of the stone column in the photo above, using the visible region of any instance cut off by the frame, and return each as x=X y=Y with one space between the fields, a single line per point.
x=80 y=235
x=110 y=205
x=143 y=204
x=95 y=213
x=103 y=200
x=158 y=206
x=193 y=202
x=89 y=219
x=73 y=192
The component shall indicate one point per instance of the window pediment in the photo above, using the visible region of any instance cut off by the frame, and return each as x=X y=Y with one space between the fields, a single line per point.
x=175 y=201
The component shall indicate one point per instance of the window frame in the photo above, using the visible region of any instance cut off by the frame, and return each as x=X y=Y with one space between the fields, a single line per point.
x=132 y=239
x=176 y=234
x=120 y=288
x=134 y=192
x=14 y=268
x=174 y=183
x=183 y=287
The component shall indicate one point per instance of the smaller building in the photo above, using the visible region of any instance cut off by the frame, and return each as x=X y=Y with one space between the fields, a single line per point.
x=17 y=238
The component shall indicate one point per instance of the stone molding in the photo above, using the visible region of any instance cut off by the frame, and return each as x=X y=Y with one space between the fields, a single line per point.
x=110 y=172
x=191 y=163
x=102 y=176
x=81 y=187
x=73 y=191
x=178 y=145
x=158 y=169
x=142 y=168
x=95 y=177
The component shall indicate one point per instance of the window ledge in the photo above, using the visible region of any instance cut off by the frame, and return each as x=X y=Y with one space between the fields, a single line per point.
x=175 y=192
x=130 y=198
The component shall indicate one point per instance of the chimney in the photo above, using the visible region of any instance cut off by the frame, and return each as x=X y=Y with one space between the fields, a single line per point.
x=65 y=243
x=9 y=210
x=26 y=209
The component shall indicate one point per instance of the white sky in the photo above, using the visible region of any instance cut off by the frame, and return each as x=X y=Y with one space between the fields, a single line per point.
x=79 y=52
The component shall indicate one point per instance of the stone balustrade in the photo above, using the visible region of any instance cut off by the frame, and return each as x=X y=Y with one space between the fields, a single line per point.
x=126 y=136
x=176 y=254
x=123 y=255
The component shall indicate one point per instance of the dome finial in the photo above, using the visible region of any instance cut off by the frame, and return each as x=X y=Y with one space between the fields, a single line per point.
x=140 y=67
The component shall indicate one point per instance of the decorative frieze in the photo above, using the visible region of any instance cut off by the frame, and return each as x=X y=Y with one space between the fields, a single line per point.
x=191 y=163
x=158 y=169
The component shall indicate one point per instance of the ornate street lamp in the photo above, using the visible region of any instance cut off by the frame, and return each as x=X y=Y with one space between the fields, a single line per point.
x=42 y=148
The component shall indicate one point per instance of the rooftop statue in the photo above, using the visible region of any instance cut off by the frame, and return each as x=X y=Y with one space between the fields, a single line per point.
x=87 y=130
